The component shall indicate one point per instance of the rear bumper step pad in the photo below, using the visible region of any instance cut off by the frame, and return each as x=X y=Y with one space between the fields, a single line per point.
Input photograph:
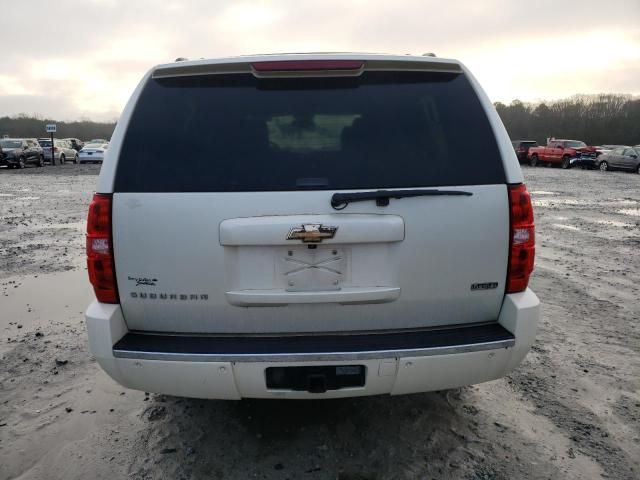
x=360 y=346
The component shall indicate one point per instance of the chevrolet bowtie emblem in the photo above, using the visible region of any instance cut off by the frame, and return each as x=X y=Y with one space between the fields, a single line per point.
x=311 y=233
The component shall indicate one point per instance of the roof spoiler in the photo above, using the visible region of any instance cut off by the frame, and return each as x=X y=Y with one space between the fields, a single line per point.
x=334 y=67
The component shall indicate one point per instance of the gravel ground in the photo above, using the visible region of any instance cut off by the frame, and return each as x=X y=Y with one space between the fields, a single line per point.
x=571 y=411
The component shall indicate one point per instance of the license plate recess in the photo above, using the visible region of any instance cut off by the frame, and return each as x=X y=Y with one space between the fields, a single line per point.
x=315 y=378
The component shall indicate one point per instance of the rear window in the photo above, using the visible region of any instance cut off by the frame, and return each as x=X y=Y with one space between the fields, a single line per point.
x=239 y=133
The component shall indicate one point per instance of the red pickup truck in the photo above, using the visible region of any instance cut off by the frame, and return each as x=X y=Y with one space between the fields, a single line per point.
x=559 y=152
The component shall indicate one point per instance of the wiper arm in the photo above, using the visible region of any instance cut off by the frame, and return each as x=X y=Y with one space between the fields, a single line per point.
x=341 y=200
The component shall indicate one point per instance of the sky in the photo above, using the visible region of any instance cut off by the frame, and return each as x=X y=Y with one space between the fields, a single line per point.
x=81 y=59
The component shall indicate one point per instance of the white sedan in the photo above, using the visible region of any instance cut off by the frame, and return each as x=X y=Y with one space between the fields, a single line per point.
x=93 y=152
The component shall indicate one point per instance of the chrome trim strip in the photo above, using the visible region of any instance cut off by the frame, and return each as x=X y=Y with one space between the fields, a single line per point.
x=314 y=357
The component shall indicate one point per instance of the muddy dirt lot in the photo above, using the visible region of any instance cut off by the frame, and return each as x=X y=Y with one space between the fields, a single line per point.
x=571 y=411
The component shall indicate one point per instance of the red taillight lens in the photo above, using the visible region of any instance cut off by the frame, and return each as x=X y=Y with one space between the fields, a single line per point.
x=306 y=65
x=102 y=273
x=522 y=241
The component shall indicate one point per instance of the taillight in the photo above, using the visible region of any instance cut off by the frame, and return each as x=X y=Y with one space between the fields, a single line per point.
x=102 y=274
x=521 y=239
x=306 y=65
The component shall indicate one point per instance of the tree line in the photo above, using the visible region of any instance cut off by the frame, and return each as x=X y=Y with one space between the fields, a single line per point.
x=594 y=119
x=23 y=126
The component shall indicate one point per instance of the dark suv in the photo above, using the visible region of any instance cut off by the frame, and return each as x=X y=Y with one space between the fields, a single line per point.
x=17 y=152
x=522 y=149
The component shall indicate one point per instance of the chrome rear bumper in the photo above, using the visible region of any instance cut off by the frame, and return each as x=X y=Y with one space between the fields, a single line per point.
x=233 y=367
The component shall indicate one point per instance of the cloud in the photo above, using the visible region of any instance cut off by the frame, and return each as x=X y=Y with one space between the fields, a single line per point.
x=247 y=17
x=11 y=86
x=559 y=66
x=88 y=63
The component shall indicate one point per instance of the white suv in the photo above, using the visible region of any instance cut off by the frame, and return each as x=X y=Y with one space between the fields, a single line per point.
x=310 y=226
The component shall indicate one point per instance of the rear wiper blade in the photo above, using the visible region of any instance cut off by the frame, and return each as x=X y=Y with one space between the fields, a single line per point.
x=341 y=200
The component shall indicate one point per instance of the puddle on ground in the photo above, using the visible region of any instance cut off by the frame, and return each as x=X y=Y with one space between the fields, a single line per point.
x=540 y=203
x=542 y=192
x=634 y=212
x=614 y=223
x=59 y=226
x=617 y=203
x=565 y=227
x=556 y=202
x=36 y=301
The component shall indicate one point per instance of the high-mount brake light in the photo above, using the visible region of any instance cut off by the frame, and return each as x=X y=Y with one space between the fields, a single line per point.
x=100 y=264
x=306 y=65
x=521 y=239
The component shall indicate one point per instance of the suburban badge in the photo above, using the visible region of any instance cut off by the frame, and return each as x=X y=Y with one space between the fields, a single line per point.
x=311 y=233
x=484 y=286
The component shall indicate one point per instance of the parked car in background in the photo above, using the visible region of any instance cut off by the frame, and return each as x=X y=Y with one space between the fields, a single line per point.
x=37 y=145
x=62 y=151
x=584 y=160
x=93 y=152
x=607 y=148
x=45 y=144
x=76 y=143
x=522 y=147
x=18 y=152
x=621 y=158
x=68 y=153
x=559 y=152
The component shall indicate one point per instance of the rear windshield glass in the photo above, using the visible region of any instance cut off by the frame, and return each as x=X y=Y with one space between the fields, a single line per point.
x=239 y=133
